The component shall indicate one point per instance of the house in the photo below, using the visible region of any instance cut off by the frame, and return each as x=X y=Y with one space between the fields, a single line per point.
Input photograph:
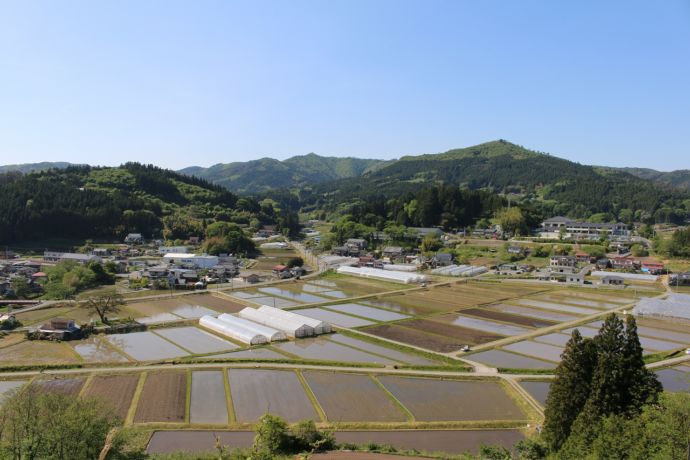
x=298 y=272
x=603 y=263
x=393 y=252
x=442 y=259
x=517 y=250
x=366 y=261
x=191 y=260
x=358 y=243
x=59 y=329
x=612 y=280
x=625 y=263
x=195 y=240
x=653 y=268
x=582 y=257
x=163 y=250
x=679 y=279
x=282 y=271
x=575 y=278
x=423 y=232
x=563 y=261
x=250 y=278
x=52 y=256
x=267 y=231
x=552 y=228
x=134 y=238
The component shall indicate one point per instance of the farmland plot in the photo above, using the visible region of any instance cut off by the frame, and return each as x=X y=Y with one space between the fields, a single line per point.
x=208 y=402
x=95 y=349
x=367 y=312
x=38 y=352
x=352 y=398
x=451 y=400
x=538 y=390
x=484 y=325
x=322 y=349
x=250 y=353
x=431 y=341
x=163 y=398
x=383 y=351
x=145 y=346
x=219 y=304
x=273 y=301
x=334 y=318
x=555 y=338
x=557 y=307
x=70 y=387
x=393 y=303
x=504 y=359
x=508 y=317
x=116 y=390
x=296 y=296
x=675 y=379
x=255 y=392
x=533 y=312
x=7 y=387
x=536 y=350
x=195 y=340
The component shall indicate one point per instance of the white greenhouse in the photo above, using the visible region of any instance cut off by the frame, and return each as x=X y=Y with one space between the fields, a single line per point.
x=387 y=275
x=232 y=330
x=290 y=326
x=319 y=327
x=273 y=335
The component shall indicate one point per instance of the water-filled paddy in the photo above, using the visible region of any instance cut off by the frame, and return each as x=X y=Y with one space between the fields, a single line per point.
x=504 y=359
x=195 y=340
x=273 y=301
x=658 y=345
x=145 y=346
x=391 y=303
x=483 y=325
x=557 y=307
x=7 y=387
x=674 y=380
x=322 y=349
x=252 y=353
x=664 y=334
x=555 y=338
x=95 y=349
x=533 y=312
x=579 y=301
x=193 y=311
x=351 y=397
x=159 y=318
x=537 y=350
x=208 y=403
x=538 y=390
x=255 y=392
x=296 y=296
x=452 y=400
x=383 y=351
x=367 y=312
x=334 y=318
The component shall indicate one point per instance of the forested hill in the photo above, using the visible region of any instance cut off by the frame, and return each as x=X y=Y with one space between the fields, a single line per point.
x=555 y=185
x=87 y=202
x=31 y=167
x=260 y=175
x=678 y=179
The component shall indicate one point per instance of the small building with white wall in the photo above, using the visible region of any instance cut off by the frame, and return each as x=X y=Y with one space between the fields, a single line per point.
x=191 y=260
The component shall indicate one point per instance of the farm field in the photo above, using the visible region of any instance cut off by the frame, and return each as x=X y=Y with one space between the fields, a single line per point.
x=7 y=387
x=321 y=348
x=415 y=337
x=145 y=346
x=332 y=317
x=506 y=360
x=255 y=392
x=208 y=403
x=66 y=386
x=396 y=355
x=115 y=390
x=452 y=400
x=96 y=349
x=538 y=390
x=181 y=307
x=375 y=314
x=508 y=318
x=35 y=352
x=250 y=353
x=352 y=397
x=195 y=340
x=163 y=398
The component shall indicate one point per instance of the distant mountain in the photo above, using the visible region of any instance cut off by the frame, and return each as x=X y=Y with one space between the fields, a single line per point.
x=31 y=167
x=677 y=179
x=557 y=185
x=267 y=173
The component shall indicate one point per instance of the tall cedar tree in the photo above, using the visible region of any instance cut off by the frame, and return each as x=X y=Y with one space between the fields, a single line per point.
x=569 y=390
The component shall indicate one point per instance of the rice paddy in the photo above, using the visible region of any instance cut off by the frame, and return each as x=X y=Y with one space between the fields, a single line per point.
x=207 y=400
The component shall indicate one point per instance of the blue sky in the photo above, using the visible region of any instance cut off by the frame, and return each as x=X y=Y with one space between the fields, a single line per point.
x=179 y=83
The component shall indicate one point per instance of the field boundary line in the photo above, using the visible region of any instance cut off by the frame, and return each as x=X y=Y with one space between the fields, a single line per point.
x=232 y=417
x=514 y=390
x=87 y=384
x=153 y=331
x=408 y=414
x=312 y=397
x=131 y=413
x=188 y=396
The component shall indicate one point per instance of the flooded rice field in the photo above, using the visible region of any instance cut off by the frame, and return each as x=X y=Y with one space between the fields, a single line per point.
x=533 y=312
x=450 y=441
x=8 y=387
x=195 y=340
x=557 y=306
x=580 y=301
x=251 y=353
x=367 y=312
x=659 y=345
x=334 y=318
x=396 y=355
x=555 y=338
x=538 y=390
x=352 y=397
x=508 y=317
x=145 y=346
x=163 y=398
x=336 y=294
x=192 y=311
x=675 y=379
x=255 y=392
x=115 y=390
x=536 y=350
x=296 y=296
x=664 y=334
x=452 y=400
x=504 y=359
x=585 y=331
x=273 y=301
x=158 y=318
x=484 y=325
x=391 y=303
x=321 y=348
x=96 y=349
x=208 y=404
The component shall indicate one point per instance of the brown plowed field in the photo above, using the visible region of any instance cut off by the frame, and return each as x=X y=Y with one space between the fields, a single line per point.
x=508 y=318
x=416 y=338
x=458 y=333
x=70 y=387
x=163 y=398
x=115 y=390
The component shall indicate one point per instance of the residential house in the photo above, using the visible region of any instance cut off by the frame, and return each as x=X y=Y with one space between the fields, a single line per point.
x=582 y=257
x=563 y=261
x=163 y=250
x=575 y=278
x=134 y=238
x=191 y=260
x=282 y=271
x=653 y=268
x=250 y=278
x=612 y=280
x=442 y=259
x=60 y=329
x=625 y=263
x=393 y=253
x=552 y=228
x=52 y=256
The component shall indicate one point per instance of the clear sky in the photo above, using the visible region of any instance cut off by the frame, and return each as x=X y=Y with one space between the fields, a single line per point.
x=180 y=83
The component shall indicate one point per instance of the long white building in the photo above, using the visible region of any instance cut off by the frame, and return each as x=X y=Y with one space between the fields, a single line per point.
x=192 y=260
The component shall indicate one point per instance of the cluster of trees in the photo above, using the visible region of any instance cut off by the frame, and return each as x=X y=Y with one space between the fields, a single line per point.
x=601 y=385
x=67 y=278
x=677 y=246
x=227 y=238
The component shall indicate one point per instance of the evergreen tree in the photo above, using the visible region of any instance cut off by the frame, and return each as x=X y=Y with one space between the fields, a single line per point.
x=569 y=390
x=641 y=384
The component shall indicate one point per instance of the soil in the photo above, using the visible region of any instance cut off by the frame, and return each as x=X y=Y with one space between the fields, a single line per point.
x=163 y=398
x=458 y=333
x=115 y=390
x=415 y=338
x=508 y=318
x=70 y=387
